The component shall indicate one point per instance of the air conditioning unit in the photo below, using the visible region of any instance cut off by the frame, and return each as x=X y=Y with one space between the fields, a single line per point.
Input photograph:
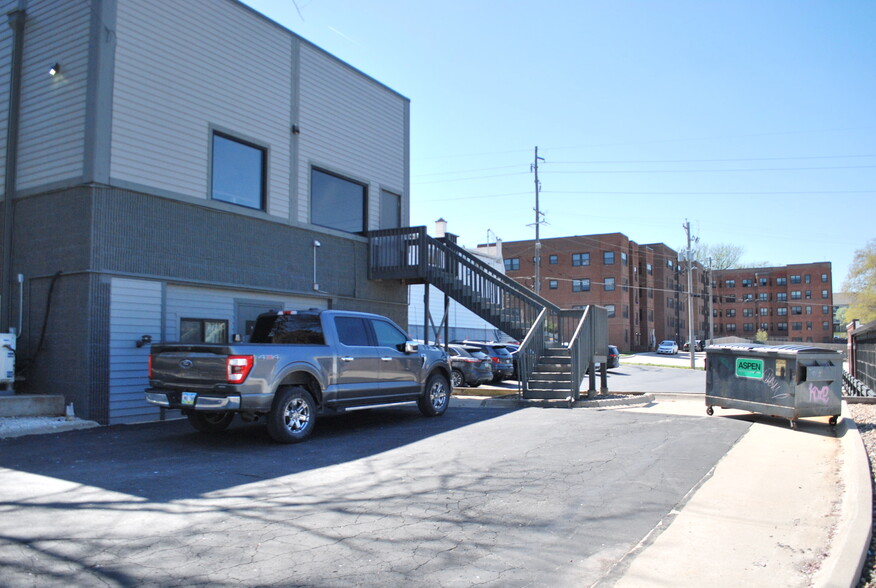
x=7 y=358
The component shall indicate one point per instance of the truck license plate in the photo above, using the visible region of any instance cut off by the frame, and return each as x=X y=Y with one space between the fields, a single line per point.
x=188 y=398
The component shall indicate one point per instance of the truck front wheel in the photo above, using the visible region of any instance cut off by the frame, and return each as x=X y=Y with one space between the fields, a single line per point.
x=436 y=396
x=293 y=416
x=210 y=422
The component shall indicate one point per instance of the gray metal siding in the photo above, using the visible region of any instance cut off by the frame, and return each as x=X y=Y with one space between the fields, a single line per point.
x=53 y=108
x=135 y=310
x=6 y=35
x=183 y=68
x=351 y=125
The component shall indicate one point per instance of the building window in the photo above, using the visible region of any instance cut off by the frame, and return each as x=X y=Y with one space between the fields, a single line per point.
x=764 y=311
x=782 y=297
x=796 y=326
x=807 y=278
x=608 y=257
x=731 y=328
x=239 y=172
x=553 y=260
x=796 y=310
x=825 y=309
x=808 y=310
x=747 y=312
x=579 y=259
x=624 y=258
x=650 y=269
x=782 y=311
x=824 y=278
x=747 y=283
x=730 y=299
x=337 y=203
x=512 y=264
x=610 y=309
x=390 y=210
x=731 y=312
x=763 y=296
x=764 y=326
x=748 y=327
x=824 y=294
x=795 y=279
x=781 y=326
x=730 y=284
x=781 y=281
x=796 y=295
x=825 y=326
x=748 y=298
x=609 y=284
x=553 y=284
x=808 y=325
x=625 y=285
x=193 y=330
x=808 y=294
x=764 y=281
x=580 y=285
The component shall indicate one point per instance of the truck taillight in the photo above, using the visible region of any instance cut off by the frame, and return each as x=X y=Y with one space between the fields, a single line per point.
x=150 y=366
x=238 y=367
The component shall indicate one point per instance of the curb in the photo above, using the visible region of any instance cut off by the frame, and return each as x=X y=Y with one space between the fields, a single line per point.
x=21 y=426
x=490 y=402
x=848 y=552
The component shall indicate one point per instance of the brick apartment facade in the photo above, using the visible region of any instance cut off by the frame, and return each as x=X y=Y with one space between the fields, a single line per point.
x=640 y=285
x=791 y=303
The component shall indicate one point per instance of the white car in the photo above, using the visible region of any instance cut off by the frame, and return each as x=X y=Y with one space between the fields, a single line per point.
x=668 y=347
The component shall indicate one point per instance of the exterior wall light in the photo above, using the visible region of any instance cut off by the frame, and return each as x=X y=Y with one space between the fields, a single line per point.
x=55 y=69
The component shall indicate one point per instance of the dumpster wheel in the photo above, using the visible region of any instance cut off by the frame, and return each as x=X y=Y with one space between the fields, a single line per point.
x=710 y=411
x=832 y=420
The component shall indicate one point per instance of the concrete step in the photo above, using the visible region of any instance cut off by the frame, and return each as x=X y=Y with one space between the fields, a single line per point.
x=26 y=405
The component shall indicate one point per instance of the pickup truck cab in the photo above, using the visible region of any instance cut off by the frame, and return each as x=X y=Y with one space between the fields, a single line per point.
x=299 y=365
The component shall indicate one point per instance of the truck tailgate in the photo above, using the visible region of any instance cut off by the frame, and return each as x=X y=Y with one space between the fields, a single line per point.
x=189 y=366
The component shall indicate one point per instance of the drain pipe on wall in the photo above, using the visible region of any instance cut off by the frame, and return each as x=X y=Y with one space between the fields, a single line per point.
x=16 y=20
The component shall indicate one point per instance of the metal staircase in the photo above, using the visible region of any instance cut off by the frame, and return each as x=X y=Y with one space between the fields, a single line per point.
x=562 y=342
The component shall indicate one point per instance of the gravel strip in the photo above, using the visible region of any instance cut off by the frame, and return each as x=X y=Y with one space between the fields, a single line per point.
x=865 y=419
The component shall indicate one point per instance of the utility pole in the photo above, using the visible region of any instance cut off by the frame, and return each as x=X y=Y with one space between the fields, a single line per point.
x=710 y=307
x=690 y=313
x=537 y=257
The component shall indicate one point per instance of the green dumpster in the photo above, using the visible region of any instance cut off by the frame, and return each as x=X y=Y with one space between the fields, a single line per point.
x=787 y=381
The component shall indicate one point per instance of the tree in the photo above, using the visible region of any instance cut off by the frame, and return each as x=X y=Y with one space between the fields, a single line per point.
x=724 y=256
x=761 y=336
x=861 y=284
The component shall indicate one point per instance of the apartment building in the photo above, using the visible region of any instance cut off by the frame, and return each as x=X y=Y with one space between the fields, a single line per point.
x=791 y=303
x=173 y=169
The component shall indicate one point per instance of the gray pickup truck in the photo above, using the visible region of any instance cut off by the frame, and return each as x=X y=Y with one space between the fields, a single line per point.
x=296 y=366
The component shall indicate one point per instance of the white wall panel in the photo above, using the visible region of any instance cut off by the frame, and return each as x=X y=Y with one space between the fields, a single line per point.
x=184 y=66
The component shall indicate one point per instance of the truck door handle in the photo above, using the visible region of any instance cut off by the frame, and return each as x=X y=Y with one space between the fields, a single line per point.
x=347 y=359
x=385 y=359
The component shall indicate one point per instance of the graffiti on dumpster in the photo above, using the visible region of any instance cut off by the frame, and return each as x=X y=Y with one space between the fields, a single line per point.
x=774 y=383
x=819 y=395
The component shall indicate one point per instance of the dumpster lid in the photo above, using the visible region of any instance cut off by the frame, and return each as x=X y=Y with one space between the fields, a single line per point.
x=757 y=348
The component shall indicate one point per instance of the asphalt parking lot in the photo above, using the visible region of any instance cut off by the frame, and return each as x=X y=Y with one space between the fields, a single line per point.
x=382 y=497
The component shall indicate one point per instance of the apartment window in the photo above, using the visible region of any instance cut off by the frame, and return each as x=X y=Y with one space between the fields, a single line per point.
x=553 y=284
x=626 y=311
x=625 y=285
x=731 y=312
x=512 y=264
x=796 y=295
x=825 y=309
x=668 y=263
x=553 y=260
x=764 y=311
x=609 y=284
x=610 y=309
x=747 y=312
x=239 y=172
x=808 y=294
x=650 y=269
x=730 y=283
x=782 y=311
x=796 y=310
x=193 y=330
x=731 y=328
x=825 y=326
x=748 y=327
x=748 y=298
x=730 y=299
x=824 y=278
x=579 y=307
x=795 y=279
x=623 y=258
x=808 y=310
x=764 y=326
x=781 y=281
x=763 y=296
x=580 y=285
x=608 y=257
x=390 y=210
x=808 y=325
x=579 y=259
x=336 y=202
x=781 y=326
x=807 y=278
x=782 y=297
x=796 y=326
x=747 y=283
x=824 y=294
x=764 y=281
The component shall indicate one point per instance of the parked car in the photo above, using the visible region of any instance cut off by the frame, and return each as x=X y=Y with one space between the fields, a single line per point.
x=503 y=363
x=470 y=366
x=613 y=358
x=699 y=345
x=669 y=347
x=513 y=348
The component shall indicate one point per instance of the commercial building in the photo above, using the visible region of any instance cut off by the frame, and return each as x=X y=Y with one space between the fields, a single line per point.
x=791 y=303
x=173 y=169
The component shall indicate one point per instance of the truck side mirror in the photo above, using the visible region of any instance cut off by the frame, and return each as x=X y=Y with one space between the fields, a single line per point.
x=411 y=347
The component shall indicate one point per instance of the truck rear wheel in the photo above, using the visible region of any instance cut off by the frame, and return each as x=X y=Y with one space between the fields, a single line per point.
x=293 y=415
x=210 y=422
x=435 y=397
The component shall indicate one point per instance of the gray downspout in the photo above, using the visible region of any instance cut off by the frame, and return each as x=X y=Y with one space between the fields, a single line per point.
x=16 y=20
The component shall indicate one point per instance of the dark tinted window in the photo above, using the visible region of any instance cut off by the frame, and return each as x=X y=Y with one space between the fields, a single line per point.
x=336 y=202
x=294 y=329
x=352 y=331
x=238 y=172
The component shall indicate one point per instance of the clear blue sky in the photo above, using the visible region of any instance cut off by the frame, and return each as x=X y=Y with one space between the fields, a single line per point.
x=753 y=119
